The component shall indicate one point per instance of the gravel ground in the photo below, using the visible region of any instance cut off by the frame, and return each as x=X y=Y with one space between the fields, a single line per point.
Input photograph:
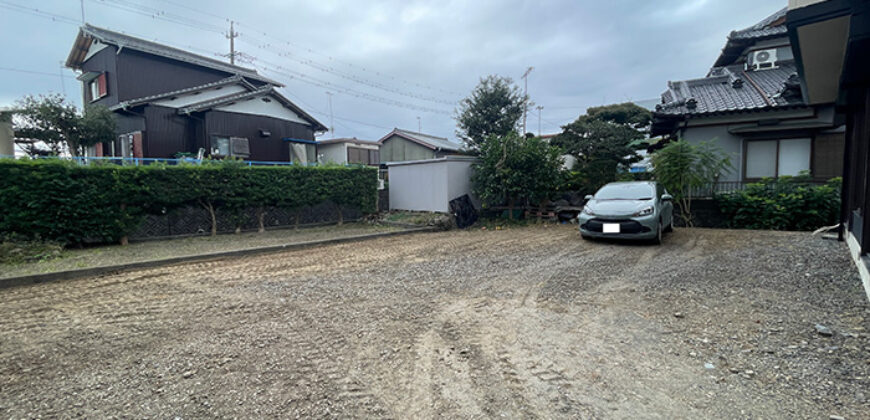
x=523 y=322
x=73 y=259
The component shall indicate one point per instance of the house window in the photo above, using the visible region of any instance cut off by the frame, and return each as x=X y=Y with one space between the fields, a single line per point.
x=98 y=87
x=220 y=146
x=774 y=158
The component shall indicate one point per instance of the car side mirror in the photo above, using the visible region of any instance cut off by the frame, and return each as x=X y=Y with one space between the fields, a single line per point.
x=667 y=197
x=588 y=197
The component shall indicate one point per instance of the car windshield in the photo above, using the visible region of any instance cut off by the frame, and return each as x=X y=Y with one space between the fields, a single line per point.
x=625 y=192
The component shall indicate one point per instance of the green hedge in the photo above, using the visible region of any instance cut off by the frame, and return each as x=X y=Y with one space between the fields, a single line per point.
x=788 y=203
x=70 y=203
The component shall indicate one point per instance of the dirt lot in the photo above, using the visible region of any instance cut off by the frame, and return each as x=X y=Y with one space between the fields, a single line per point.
x=108 y=255
x=529 y=322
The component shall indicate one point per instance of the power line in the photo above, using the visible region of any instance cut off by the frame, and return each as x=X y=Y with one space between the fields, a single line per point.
x=159 y=14
x=39 y=73
x=37 y=12
x=315 y=52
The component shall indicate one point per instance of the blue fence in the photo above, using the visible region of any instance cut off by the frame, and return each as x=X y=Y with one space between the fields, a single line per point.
x=149 y=161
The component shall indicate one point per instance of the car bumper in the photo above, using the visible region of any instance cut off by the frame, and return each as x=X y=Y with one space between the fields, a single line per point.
x=644 y=227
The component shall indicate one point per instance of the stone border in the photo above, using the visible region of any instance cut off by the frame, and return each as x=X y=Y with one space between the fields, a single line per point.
x=97 y=271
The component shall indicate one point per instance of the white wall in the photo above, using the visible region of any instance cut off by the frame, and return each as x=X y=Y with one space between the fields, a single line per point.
x=429 y=185
x=332 y=153
x=730 y=144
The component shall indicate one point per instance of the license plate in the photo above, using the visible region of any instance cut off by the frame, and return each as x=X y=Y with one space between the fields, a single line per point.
x=611 y=228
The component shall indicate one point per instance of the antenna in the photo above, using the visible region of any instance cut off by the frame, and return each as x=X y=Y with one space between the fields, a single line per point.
x=419 y=125
x=540 y=111
x=232 y=37
x=526 y=94
x=331 y=121
x=83 y=10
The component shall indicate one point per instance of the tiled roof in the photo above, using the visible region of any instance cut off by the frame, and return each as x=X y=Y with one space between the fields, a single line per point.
x=764 y=28
x=146 y=99
x=770 y=27
x=426 y=140
x=730 y=89
x=88 y=32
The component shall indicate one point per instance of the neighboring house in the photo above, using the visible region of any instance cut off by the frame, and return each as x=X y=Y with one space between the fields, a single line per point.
x=169 y=101
x=403 y=145
x=751 y=104
x=832 y=44
x=348 y=150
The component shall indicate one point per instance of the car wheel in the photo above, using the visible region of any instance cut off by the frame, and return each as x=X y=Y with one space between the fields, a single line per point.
x=658 y=239
x=585 y=238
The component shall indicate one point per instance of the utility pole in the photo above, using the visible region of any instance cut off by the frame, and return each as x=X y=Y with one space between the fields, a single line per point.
x=62 y=83
x=419 y=125
x=331 y=122
x=540 y=111
x=82 y=2
x=526 y=95
x=232 y=37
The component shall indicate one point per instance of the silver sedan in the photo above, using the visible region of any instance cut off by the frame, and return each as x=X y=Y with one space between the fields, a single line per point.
x=631 y=210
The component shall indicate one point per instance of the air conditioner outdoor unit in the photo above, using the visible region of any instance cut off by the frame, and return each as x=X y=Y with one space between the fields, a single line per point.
x=763 y=59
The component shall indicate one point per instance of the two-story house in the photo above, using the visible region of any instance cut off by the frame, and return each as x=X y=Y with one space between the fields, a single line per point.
x=750 y=104
x=169 y=101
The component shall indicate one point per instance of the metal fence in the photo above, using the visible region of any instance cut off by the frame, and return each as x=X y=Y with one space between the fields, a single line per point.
x=712 y=189
x=88 y=160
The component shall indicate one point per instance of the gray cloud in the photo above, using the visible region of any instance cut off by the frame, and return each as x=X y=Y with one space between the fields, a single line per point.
x=585 y=53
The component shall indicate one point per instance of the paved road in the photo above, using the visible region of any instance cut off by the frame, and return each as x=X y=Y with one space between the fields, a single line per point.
x=529 y=322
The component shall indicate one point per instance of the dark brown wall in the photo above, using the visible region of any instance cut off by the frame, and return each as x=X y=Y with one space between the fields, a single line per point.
x=167 y=133
x=828 y=155
x=103 y=61
x=271 y=148
x=143 y=74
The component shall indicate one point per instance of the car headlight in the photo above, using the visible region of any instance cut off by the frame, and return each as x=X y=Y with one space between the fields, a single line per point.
x=588 y=211
x=646 y=211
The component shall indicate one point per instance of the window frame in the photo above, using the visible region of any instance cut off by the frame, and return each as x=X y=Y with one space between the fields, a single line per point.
x=778 y=140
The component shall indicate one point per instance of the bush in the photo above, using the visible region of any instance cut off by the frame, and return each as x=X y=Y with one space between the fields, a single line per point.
x=787 y=203
x=72 y=204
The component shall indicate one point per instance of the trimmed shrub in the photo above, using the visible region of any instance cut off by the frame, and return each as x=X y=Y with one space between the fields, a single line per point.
x=73 y=204
x=787 y=203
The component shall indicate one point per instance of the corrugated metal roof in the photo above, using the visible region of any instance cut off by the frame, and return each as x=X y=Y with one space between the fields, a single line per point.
x=426 y=140
x=263 y=91
x=89 y=32
x=146 y=99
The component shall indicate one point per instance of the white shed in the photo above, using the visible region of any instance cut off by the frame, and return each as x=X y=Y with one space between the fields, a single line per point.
x=429 y=185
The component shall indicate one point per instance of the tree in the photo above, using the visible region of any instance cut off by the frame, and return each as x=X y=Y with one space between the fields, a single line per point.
x=605 y=138
x=59 y=124
x=515 y=169
x=493 y=108
x=682 y=166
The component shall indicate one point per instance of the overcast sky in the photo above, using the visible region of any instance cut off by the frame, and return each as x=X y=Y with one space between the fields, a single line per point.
x=389 y=62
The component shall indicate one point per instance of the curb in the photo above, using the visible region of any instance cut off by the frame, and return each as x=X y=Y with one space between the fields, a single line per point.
x=96 y=271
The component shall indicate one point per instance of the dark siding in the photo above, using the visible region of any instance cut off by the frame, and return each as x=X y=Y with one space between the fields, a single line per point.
x=144 y=74
x=828 y=155
x=166 y=132
x=271 y=148
x=103 y=61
